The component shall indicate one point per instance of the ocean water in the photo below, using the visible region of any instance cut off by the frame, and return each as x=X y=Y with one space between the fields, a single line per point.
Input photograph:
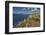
x=19 y=17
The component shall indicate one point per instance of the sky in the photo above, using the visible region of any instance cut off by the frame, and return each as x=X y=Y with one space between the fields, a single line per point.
x=24 y=10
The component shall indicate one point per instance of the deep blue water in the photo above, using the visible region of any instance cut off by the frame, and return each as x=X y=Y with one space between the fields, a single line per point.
x=19 y=17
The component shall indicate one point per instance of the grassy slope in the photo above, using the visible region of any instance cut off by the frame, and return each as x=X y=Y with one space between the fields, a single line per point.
x=33 y=21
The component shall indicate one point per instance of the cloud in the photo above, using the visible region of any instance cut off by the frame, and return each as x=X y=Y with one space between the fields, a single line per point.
x=24 y=9
x=29 y=8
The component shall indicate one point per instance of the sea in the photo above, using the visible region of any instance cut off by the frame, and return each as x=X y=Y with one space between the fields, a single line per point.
x=19 y=17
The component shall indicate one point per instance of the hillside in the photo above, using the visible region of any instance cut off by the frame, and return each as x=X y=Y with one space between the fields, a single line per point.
x=33 y=21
